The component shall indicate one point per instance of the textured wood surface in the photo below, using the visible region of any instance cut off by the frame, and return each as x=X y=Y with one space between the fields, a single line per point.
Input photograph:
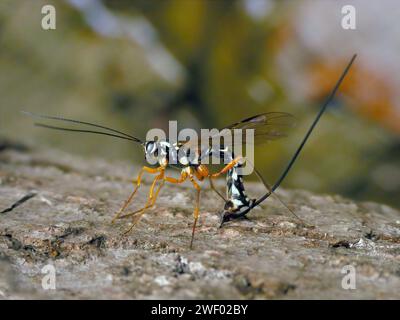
x=65 y=220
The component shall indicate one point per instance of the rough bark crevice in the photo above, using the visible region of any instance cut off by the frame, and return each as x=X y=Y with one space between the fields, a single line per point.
x=58 y=210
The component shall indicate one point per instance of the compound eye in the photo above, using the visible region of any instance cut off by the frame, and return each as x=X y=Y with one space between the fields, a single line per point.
x=149 y=147
x=152 y=149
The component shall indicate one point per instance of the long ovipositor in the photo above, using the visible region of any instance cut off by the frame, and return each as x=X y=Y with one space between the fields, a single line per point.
x=234 y=212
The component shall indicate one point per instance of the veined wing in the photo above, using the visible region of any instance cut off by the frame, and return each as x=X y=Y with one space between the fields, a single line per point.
x=267 y=127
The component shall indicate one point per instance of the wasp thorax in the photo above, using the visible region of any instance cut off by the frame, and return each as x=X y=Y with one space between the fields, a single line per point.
x=188 y=156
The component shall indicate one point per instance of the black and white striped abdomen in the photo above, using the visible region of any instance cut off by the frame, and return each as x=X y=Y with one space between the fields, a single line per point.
x=235 y=191
x=236 y=194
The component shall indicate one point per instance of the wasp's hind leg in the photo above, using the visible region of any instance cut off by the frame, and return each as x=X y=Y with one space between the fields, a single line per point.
x=225 y=169
x=138 y=182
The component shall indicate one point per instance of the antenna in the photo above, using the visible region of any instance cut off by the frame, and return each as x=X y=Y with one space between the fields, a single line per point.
x=117 y=134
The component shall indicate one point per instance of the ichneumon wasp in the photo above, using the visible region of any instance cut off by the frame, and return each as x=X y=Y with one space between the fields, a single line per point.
x=267 y=126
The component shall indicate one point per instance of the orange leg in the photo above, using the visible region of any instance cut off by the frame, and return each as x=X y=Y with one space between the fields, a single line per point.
x=150 y=202
x=138 y=182
x=153 y=197
x=196 y=208
x=182 y=178
x=229 y=166
x=168 y=179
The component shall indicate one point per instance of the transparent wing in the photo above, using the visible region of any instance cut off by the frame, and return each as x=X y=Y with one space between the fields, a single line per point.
x=267 y=127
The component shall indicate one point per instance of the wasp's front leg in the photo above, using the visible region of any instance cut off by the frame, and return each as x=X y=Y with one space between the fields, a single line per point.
x=153 y=196
x=136 y=215
x=138 y=182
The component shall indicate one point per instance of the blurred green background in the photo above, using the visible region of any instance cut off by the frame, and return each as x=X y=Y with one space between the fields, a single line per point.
x=134 y=65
